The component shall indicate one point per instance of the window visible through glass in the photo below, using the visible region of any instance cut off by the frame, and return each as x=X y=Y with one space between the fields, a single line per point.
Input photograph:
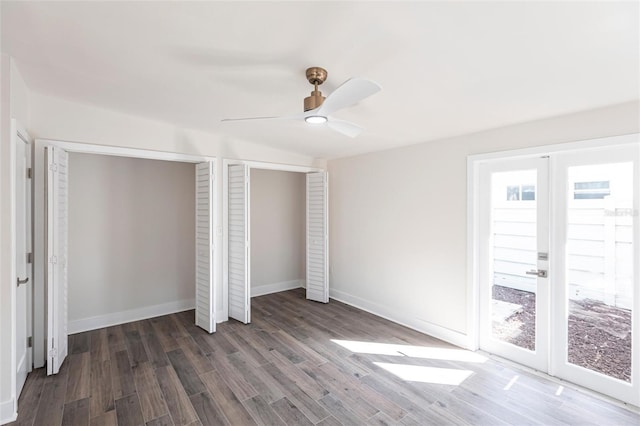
x=521 y=192
x=591 y=190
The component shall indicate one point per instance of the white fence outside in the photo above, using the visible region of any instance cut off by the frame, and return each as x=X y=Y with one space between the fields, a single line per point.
x=599 y=241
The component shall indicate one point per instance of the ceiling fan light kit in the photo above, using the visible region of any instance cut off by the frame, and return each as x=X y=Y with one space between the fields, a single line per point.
x=315 y=119
x=318 y=109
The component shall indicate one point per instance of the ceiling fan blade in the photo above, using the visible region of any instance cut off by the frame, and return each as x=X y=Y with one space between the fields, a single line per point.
x=348 y=93
x=344 y=127
x=284 y=117
x=249 y=118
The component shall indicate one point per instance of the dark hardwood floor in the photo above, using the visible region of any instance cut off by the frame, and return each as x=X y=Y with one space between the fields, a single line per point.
x=298 y=363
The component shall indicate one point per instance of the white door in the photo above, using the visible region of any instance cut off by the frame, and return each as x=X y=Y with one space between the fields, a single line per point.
x=595 y=290
x=514 y=229
x=238 y=243
x=205 y=205
x=23 y=266
x=317 y=237
x=56 y=188
x=558 y=266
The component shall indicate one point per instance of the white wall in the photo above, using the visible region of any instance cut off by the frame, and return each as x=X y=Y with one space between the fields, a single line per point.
x=398 y=218
x=59 y=119
x=278 y=224
x=131 y=238
x=14 y=103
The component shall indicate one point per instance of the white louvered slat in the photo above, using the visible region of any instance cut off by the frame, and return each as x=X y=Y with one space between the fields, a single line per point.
x=57 y=184
x=238 y=242
x=205 y=292
x=317 y=237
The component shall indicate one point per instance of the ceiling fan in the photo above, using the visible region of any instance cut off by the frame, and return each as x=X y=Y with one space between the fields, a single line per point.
x=318 y=109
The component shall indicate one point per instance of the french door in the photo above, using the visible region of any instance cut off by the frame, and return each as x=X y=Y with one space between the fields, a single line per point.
x=514 y=260
x=558 y=265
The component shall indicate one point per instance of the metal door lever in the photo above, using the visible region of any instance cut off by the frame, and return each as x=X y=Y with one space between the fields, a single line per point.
x=538 y=272
x=20 y=282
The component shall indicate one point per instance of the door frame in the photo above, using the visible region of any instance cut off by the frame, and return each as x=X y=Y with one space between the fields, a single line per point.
x=473 y=223
x=39 y=237
x=18 y=131
x=225 y=214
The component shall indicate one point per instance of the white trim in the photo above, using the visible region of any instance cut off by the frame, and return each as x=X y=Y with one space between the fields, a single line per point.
x=8 y=411
x=557 y=148
x=274 y=166
x=225 y=241
x=13 y=273
x=88 y=148
x=451 y=336
x=473 y=290
x=261 y=290
x=115 y=318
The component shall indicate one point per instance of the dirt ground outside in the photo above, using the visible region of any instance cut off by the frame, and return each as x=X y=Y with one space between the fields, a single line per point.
x=599 y=334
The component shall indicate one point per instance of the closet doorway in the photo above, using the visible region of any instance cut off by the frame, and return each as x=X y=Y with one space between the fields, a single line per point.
x=237 y=237
x=52 y=228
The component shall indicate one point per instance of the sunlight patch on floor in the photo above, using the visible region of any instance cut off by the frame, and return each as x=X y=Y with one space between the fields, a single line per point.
x=511 y=382
x=419 y=373
x=447 y=354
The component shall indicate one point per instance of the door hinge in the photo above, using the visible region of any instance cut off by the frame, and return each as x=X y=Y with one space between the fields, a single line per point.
x=29 y=257
x=53 y=259
x=53 y=352
x=29 y=341
x=29 y=173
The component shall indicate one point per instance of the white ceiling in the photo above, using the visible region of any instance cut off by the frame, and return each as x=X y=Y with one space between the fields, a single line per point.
x=446 y=68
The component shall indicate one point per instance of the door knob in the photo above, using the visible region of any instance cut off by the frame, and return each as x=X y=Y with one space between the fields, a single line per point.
x=20 y=282
x=538 y=272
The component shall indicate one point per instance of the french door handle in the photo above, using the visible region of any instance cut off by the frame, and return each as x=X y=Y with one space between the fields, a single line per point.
x=20 y=282
x=538 y=272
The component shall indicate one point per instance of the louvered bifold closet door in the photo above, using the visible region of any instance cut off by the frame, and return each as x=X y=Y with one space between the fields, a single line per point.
x=317 y=237
x=205 y=203
x=56 y=187
x=238 y=240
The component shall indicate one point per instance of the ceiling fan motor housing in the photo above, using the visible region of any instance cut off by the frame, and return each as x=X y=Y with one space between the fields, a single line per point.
x=316 y=76
x=313 y=101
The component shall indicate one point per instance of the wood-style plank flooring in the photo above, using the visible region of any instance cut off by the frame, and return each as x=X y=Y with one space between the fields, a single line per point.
x=298 y=363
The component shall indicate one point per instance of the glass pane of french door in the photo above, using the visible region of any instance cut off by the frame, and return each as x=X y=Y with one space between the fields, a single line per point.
x=595 y=278
x=599 y=267
x=513 y=240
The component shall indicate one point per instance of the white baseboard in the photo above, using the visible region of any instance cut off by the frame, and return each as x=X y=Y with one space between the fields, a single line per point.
x=115 y=318
x=261 y=290
x=8 y=411
x=439 y=332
